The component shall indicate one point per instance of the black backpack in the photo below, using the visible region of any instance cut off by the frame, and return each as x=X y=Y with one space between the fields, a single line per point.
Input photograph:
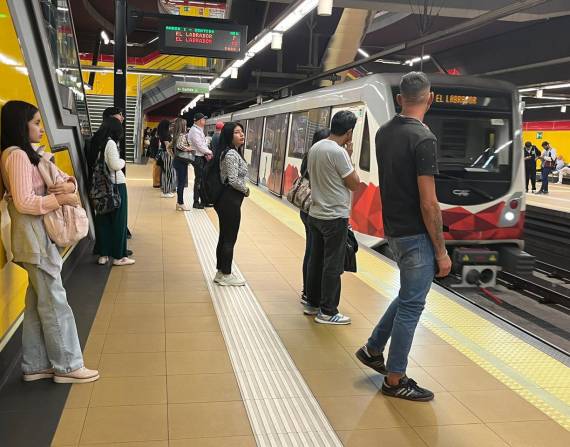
x=104 y=194
x=212 y=187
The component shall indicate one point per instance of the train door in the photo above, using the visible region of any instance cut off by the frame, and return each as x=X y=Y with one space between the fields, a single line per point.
x=252 y=150
x=275 y=140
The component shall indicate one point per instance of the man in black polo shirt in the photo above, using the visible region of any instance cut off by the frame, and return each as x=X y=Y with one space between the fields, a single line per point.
x=406 y=151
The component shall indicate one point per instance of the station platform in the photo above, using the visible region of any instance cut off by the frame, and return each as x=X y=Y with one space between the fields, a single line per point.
x=184 y=362
x=558 y=198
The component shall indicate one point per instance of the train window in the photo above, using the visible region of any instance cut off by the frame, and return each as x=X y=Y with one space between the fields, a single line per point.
x=318 y=119
x=303 y=127
x=253 y=143
x=364 y=160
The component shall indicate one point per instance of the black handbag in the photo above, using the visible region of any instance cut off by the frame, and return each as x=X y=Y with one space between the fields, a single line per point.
x=350 y=252
x=103 y=193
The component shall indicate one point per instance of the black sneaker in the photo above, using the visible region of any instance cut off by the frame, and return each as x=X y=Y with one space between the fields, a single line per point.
x=407 y=389
x=198 y=206
x=376 y=362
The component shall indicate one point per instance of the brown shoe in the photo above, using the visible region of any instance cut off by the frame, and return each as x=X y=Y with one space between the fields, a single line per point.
x=38 y=375
x=81 y=375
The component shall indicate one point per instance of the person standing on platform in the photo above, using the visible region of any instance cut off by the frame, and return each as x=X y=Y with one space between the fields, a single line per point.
x=216 y=137
x=531 y=154
x=561 y=169
x=50 y=344
x=199 y=145
x=319 y=135
x=233 y=174
x=548 y=158
x=332 y=178
x=180 y=143
x=168 y=177
x=406 y=151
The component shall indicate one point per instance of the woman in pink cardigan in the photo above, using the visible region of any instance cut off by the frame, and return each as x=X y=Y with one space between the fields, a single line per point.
x=50 y=343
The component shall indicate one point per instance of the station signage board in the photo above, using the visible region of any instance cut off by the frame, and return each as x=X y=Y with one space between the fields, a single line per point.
x=192 y=87
x=188 y=36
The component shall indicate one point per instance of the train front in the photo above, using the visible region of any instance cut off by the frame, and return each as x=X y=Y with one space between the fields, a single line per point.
x=481 y=173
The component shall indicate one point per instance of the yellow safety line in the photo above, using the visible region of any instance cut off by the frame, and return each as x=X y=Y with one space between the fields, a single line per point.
x=540 y=379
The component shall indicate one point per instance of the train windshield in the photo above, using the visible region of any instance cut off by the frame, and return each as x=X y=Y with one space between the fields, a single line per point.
x=475 y=145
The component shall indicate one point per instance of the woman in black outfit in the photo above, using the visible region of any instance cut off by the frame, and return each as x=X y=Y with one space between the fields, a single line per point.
x=233 y=173
x=319 y=135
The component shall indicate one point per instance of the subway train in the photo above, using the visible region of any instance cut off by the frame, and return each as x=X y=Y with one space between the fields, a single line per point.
x=478 y=126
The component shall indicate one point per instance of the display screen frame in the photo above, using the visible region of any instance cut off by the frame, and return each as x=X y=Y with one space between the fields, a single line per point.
x=216 y=24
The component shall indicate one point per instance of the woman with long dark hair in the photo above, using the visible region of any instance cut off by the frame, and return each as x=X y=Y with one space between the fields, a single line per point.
x=168 y=178
x=180 y=164
x=233 y=173
x=111 y=228
x=50 y=345
x=319 y=135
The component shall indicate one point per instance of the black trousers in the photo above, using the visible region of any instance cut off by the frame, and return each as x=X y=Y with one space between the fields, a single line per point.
x=530 y=172
x=181 y=168
x=198 y=164
x=326 y=263
x=305 y=219
x=228 y=208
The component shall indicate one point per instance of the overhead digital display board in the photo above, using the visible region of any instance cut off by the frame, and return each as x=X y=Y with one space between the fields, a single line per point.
x=186 y=36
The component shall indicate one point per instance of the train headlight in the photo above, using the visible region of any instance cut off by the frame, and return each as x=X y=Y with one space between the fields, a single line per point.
x=509 y=216
x=512 y=210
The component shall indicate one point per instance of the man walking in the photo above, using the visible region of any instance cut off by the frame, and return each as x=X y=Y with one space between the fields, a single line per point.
x=198 y=143
x=406 y=151
x=332 y=178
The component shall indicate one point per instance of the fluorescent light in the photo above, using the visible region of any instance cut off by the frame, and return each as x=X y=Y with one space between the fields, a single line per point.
x=296 y=15
x=215 y=83
x=539 y=93
x=105 y=37
x=325 y=7
x=276 y=41
x=260 y=45
x=153 y=40
x=544 y=106
x=415 y=60
x=234 y=74
x=563 y=109
x=363 y=53
x=389 y=62
x=227 y=72
x=553 y=86
x=530 y=89
x=62 y=8
x=557 y=98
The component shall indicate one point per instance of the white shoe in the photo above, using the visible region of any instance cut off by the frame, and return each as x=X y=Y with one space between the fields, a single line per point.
x=332 y=319
x=123 y=261
x=182 y=207
x=81 y=375
x=171 y=194
x=231 y=280
x=558 y=183
x=166 y=195
x=218 y=276
x=103 y=260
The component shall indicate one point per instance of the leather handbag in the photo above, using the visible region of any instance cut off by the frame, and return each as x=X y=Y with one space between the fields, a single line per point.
x=67 y=225
x=300 y=193
x=187 y=156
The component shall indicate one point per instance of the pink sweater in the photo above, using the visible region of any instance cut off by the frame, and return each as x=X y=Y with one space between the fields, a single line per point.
x=26 y=186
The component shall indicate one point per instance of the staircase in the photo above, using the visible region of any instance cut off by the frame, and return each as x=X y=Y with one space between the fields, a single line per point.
x=98 y=103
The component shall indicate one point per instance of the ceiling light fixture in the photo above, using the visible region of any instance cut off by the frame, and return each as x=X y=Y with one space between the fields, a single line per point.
x=234 y=74
x=276 y=41
x=325 y=7
x=105 y=37
x=563 y=109
x=363 y=53
x=539 y=93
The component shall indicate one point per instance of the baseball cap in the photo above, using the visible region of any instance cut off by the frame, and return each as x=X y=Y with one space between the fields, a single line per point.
x=198 y=116
x=110 y=111
x=219 y=125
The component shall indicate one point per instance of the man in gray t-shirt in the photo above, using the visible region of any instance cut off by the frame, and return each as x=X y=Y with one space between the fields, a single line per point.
x=332 y=178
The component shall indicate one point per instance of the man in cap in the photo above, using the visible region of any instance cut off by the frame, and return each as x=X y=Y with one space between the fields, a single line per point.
x=197 y=140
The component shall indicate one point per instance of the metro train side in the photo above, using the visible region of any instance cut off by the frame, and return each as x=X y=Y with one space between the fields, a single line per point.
x=497 y=222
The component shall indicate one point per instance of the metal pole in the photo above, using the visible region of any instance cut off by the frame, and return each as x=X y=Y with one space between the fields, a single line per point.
x=120 y=77
x=95 y=59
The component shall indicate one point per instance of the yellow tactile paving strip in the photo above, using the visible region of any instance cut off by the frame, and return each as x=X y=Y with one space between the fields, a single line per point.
x=538 y=378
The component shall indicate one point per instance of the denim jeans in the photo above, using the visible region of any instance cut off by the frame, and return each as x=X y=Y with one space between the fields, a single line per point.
x=326 y=263
x=305 y=219
x=49 y=337
x=416 y=260
x=544 y=173
x=181 y=168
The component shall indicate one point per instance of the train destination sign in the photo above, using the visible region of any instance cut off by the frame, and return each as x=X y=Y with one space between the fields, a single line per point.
x=208 y=38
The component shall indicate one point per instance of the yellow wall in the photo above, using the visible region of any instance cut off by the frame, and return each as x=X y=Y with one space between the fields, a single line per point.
x=558 y=139
x=104 y=82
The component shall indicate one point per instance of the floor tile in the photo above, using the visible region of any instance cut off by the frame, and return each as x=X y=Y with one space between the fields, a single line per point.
x=472 y=435
x=79 y=395
x=443 y=410
x=417 y=373
x=202 y=388
x=200 y=420
x=499 y=406
x=133 y=364
x=339 y=382
x=188 y=296
x=137 y=310
x=234 y=441
x=198 y=362
x=316 y=337
x=129 y=444
x=119 y=343
x=140 y=325
x=70 y=425
x=319 y=359
x=397 y=437
x=140 y=297
x=464 y=378
x=189 y=310
x=196 y=341
x=125 y=424
x=438 y=355
x=532 y=433
x=109 y=391
x=208 y=323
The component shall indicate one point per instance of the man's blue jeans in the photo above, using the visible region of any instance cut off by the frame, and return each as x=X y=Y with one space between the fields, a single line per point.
x=416 y=260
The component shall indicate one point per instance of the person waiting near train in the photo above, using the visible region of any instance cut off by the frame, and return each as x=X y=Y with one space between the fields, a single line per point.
x=180 y=164
x=50 y=345
x=165 y=160
x=561 y=169
x=332 y=178
x=216 y=137
x=406 y=151
x=548 y=158
x=531 y=154
x=111 y=228
x=319 y=135
x=233 y=174
x=199 y=145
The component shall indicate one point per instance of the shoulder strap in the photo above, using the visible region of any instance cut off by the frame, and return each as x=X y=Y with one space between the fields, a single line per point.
x=44 y=166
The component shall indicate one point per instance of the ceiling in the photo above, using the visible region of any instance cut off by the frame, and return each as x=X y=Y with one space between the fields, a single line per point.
x=504 y=48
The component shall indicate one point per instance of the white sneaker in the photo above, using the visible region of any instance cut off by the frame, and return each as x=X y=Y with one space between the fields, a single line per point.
x=171 y=194
x=81 y=375
x=165 y=195
x=182 y=207
x=332 y=319
x=231 y=280
x=123 y=261
x=218 y=276
x=103 y=260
